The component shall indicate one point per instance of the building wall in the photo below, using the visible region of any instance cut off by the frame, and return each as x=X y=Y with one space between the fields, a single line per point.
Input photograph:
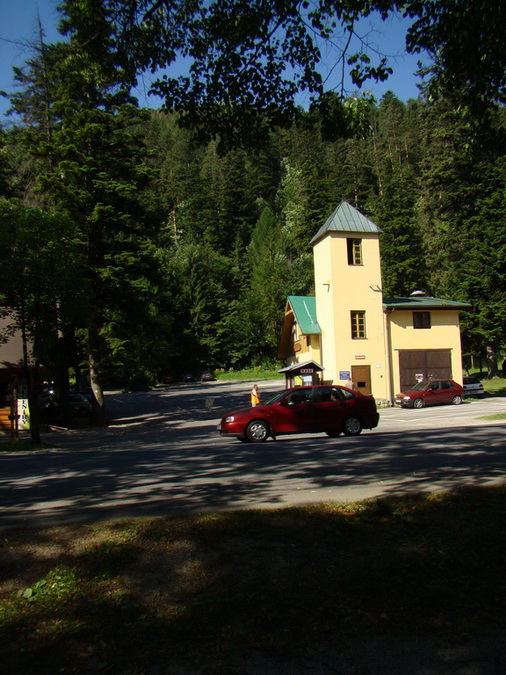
x=444 y=333
x=341 y=288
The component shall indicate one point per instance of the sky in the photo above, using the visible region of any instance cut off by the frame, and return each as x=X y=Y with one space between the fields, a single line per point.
x=18 y=26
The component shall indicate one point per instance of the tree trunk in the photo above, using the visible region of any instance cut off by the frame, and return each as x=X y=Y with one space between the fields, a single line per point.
x=97 y=403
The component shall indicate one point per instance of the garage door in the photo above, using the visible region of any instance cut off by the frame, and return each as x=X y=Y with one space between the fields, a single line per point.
x=430 y=364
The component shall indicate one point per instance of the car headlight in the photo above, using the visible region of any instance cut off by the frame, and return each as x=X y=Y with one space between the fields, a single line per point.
x=406 y=398
x=230 y=418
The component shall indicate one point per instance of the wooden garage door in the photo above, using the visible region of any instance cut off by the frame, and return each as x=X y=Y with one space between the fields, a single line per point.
x=431 y=364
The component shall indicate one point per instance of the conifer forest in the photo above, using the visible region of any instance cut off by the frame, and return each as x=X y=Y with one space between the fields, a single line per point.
x=136 y=243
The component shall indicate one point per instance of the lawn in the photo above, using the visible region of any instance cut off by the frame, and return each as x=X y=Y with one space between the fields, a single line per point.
x=182 y=594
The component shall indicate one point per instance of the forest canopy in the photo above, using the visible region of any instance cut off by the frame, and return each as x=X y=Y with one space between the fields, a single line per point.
x=184 y=234
x=248 y=60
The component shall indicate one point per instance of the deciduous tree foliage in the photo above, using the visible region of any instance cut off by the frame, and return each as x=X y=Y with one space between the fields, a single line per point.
x=249 y=59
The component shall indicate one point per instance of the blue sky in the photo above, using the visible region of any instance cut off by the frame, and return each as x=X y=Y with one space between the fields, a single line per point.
x=18 y=26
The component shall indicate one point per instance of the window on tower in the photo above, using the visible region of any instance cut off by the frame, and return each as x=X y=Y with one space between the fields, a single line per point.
x=354 y=251
x=358 y=325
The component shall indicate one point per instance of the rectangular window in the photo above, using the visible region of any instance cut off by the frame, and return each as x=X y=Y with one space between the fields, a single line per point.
x=358 y=325
x=354 y=251
x=421 y=319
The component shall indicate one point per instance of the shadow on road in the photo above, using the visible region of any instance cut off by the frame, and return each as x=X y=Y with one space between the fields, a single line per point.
x=161 y=454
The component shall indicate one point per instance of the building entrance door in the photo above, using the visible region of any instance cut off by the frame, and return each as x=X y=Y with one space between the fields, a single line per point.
x=361 y=377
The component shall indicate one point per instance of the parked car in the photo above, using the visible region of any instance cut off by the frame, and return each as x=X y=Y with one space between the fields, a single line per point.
x=430 y=392
x=207 y=376
x=187 y=377
x=328 y=408
x=166 y=378
x=473 y=387
x=80 y=404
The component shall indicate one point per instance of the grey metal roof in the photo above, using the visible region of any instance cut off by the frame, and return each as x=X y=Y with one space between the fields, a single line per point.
x=423 y=302
x=304 y=308
x=346 y=219
x=296 y=366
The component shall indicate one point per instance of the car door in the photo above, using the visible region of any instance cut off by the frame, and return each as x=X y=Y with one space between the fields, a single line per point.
x=295 y=412
x=434 y=394
x=449 y=389
x=333 y=405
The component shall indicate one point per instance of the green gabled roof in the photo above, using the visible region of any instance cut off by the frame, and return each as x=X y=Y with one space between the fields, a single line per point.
x=423 y=302
x=346 y=219
x=304 y=309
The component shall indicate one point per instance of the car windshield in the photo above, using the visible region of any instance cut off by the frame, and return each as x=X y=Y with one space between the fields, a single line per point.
x=275 y=398
x=420 y=386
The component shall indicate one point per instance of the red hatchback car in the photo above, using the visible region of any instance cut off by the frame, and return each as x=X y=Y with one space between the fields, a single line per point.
x=431 y=392
x=326 y=408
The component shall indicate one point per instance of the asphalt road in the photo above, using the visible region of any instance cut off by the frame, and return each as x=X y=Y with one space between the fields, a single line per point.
x=161 y=454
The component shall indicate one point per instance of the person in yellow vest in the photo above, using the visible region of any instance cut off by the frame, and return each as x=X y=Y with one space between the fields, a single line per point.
x=255 y=396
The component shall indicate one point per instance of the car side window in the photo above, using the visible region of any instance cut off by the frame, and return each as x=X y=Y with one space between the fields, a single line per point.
x=298 y=397
x=328 y=394
x=446 y=385
x=347 y=395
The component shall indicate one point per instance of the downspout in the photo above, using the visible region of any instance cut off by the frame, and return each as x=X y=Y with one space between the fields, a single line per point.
x=388 y=337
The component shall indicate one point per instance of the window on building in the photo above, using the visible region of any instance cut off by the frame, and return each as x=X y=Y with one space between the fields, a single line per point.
x=421 y=319
x=358 y=325
x=354 y=251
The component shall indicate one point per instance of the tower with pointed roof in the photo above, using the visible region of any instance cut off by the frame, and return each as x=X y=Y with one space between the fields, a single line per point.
x=349 y=330
x=349 y=304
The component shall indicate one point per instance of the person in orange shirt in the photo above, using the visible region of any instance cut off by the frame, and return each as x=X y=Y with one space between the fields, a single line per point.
x=255 y=396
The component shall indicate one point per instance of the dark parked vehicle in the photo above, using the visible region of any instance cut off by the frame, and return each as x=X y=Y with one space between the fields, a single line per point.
x=473 y=387
x=431 y=392
x=187 y=377
x=207 y=376
x=328 y=408
x=80 y=405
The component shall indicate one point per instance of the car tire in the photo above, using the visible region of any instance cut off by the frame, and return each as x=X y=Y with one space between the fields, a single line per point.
x=418 y=403
x=457 y=400
x=257 y=431
x=333 y=434
x=352 y=426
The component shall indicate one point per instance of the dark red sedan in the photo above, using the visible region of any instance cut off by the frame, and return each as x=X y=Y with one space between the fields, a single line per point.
x=431 y=392
x=326 y=408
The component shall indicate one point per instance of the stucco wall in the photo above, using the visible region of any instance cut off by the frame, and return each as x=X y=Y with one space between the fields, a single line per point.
x=444 y=333
x=341 y=288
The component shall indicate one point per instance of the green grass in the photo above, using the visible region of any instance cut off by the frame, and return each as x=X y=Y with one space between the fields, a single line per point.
x=140 y=596
x=254 y=373
x=6 y=445
x=495 y=386
x=498 y=416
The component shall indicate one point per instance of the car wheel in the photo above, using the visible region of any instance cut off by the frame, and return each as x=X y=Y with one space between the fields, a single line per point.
x=352 y=426
x=457 y=400
x=257 y=431
x=333 y=434
x=418 y=403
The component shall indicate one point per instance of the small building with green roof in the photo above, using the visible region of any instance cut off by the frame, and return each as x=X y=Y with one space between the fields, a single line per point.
x=351 y=331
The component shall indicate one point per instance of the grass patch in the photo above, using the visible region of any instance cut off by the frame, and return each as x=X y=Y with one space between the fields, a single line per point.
x=22 y=445
x=496 y=386
x=257 y=373
x=138 y=595
x=498 y=416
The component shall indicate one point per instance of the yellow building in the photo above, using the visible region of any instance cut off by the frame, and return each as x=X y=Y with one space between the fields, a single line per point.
x=352 y=332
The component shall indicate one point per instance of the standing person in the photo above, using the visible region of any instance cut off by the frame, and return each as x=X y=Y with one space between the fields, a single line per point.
x=255 y=396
